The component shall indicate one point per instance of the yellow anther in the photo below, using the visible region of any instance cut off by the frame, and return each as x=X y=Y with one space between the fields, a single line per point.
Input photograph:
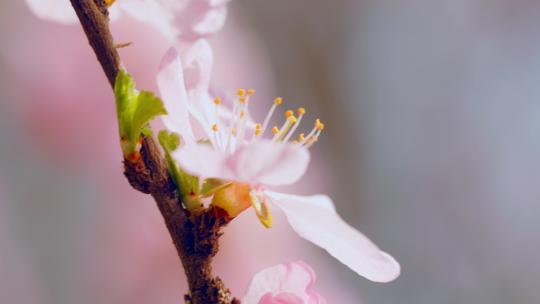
x=292 y=119
x=217 y=101
x=242 y=99
x=258 y=129
x=288 y=113
x=251 y=91
x=233 y=131
x=241 y=92
x=242 y=114
x=295 y=142
x=275 y=130
x=278 y=101
x=109 y=2
x=318 y=124
x=301 y=137
x=215 y=128
x=301 y=111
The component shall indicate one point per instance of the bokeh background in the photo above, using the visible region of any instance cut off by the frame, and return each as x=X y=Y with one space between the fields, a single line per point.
x=432 y=149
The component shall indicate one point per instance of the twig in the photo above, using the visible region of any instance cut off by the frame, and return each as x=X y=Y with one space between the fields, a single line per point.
x=195 y=236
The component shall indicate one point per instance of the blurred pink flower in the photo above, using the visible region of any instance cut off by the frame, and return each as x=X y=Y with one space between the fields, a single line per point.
x=291 y=283
x=236 y=156
x=187 y=19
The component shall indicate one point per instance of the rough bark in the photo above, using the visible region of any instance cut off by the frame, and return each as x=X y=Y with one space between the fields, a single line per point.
x=196 y=235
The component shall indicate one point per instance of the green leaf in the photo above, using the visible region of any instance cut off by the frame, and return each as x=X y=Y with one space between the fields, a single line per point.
x=169 y=141
x=126 y=96
x=134 y=112
x=212 y=185
x=147 y=107
x=188 y=185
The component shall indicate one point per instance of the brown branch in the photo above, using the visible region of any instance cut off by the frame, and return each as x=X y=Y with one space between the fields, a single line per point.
x=195 y=236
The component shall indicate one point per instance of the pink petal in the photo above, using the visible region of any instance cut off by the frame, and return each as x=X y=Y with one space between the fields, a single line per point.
x=262 y=162
x=282 y=298
x=289 y=283
x=198 y=71
x=212 y=22
x=199 y=60
x=202 y=160
x=269 y=163
x=200 y=18
x=215 y=3
x=170 y=81
x=314 y=218
x=53 y=10
x=158 y=14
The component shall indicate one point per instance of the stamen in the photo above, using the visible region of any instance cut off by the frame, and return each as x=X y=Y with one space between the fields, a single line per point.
x=241 y=92
x=315 y=128
x=277 y=102
x=258 y=129
x=313 y=136
x=319 y=125
x=300 y=112
x=275 y=130
x=217 y=102
x=216 y=142
x=312 y=141
x=243 y=114
x=289 y=122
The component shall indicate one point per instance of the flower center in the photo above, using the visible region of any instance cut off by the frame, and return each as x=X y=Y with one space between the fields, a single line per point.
x=237 y=128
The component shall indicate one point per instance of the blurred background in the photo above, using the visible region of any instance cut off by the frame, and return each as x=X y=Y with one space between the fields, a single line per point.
x=432 y=149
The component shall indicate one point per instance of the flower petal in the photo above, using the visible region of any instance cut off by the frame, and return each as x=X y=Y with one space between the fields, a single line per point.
x=282 y=298
x=314 y=218
x=198 y=71
x=158 y=14
x=200 y=18
x=284 y=283
x=53 y=10
x=212 y=22
x=200 y=58
x=202 y=160
x=269 y=163
x=170 y=80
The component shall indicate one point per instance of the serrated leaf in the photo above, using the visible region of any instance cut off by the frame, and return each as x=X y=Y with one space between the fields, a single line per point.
x=134 y=112
x=147 y=107
x=212 y=185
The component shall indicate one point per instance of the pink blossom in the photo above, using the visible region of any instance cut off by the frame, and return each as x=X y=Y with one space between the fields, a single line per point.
x=291 y=283
x=187 y=19
x=238 y=153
